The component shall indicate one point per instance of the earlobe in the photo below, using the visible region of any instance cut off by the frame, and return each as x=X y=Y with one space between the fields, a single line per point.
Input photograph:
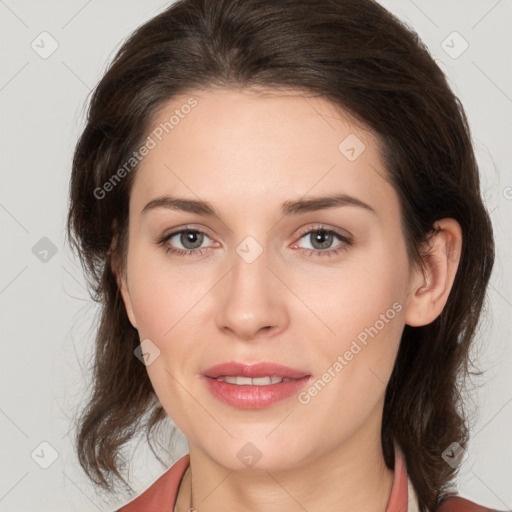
x=431 y=285
x=125 y=293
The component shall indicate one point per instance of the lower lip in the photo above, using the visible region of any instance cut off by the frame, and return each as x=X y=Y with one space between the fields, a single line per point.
x=254 y=397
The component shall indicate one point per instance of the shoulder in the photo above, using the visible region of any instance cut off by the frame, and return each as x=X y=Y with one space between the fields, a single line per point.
x=161 y=494
x=458 y=504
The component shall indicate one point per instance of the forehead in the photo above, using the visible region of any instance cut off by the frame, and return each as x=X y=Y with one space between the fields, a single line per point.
x=222 y=144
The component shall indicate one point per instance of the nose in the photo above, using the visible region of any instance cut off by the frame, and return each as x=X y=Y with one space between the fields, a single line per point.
x=252 y=301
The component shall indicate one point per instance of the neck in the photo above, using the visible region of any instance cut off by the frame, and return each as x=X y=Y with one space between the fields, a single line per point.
x=351 y=477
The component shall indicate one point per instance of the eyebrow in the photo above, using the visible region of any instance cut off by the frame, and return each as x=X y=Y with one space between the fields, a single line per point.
x=288 y=208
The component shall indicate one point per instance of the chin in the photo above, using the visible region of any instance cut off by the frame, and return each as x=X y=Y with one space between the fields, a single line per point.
x=256 y=454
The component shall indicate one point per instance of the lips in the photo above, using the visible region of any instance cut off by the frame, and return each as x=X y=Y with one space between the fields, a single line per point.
x=264 y=369
x=254 y=386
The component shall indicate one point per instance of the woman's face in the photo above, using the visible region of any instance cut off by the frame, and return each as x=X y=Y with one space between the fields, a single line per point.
x=254 y=282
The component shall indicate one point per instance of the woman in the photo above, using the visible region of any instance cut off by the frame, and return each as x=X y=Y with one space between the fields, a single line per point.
x=278 y=207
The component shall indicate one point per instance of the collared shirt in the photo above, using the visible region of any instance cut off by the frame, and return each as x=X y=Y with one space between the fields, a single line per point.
x=161 y=495
x=403 y=497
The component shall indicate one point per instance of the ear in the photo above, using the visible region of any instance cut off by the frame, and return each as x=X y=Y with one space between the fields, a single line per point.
x=431 y=286
x=121 y=276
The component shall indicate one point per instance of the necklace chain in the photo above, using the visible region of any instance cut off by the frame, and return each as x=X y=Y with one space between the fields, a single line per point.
x=191 y=507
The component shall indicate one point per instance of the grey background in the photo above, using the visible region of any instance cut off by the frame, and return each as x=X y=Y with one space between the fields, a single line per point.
x=46 y=315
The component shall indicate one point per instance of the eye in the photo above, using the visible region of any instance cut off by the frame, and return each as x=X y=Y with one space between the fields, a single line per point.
x=321 y=239
x=190 y=239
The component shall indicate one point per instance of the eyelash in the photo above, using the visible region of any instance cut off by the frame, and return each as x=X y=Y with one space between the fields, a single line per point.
x=346 y=243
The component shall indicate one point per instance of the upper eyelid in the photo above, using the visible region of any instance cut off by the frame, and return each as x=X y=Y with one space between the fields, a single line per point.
x=329 y=229
x=175 y=232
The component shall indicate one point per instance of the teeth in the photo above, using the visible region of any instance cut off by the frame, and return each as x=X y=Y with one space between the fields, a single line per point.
x=257 y=381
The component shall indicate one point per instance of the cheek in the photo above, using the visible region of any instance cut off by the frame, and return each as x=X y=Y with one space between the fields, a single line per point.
x=160 y=303
x=355 y=296
x=356 y=369
x=364 y=310
x=160 y=294
x=152 y=307
x=164 y=304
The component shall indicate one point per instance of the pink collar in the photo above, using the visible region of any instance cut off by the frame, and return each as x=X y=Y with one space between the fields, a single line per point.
x=161 y=495
x=398 y=500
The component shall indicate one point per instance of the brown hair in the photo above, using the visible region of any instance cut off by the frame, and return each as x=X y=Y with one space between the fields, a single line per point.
x=363 y=59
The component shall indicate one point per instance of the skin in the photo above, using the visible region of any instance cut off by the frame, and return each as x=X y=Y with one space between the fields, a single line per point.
x=246 y=152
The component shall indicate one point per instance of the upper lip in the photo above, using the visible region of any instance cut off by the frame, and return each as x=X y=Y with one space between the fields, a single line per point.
x=263 y=369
